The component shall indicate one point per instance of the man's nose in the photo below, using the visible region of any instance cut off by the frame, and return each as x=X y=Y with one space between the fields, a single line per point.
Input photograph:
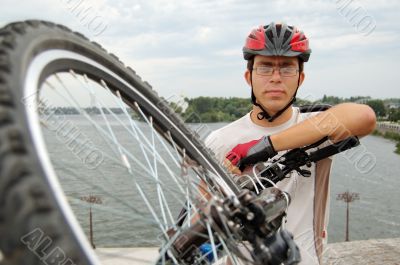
x=276 y=76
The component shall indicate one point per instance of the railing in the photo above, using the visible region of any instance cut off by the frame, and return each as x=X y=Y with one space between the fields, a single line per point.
x=388 y=126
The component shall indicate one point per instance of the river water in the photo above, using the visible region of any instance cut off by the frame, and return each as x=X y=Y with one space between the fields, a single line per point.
x=375 y=215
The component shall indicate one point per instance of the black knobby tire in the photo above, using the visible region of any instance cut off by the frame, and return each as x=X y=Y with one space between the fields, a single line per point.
x=29 y=210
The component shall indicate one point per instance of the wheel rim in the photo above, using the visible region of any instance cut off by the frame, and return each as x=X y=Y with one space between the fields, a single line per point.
x=35 y=76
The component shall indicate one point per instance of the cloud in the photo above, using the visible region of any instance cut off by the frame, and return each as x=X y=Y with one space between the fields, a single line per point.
x=190 y=44
x=351 y=41
x=369 y=76
x=229 y=52
x=203 y=34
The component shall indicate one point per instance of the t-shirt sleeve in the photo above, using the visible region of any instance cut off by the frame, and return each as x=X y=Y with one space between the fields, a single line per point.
x=216 y=145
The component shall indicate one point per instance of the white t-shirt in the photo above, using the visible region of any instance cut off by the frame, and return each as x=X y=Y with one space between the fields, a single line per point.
x=308 y=213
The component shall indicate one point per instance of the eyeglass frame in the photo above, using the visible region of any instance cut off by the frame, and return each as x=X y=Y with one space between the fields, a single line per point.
x=276 y=68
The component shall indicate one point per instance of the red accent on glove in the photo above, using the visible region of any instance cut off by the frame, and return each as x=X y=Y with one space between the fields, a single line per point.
x=240 y=151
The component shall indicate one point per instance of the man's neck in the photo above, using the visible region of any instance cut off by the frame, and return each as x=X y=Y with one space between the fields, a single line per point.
x=284 y=117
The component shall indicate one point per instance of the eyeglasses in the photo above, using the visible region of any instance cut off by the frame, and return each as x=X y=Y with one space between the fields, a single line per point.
x=283 y=71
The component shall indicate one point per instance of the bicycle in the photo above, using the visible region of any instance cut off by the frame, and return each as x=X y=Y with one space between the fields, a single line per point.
x=79 y=130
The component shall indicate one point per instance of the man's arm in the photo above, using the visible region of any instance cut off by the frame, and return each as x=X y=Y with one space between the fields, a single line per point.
x=338 y=123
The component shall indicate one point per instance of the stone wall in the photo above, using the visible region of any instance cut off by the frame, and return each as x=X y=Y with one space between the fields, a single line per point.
x=366 y=252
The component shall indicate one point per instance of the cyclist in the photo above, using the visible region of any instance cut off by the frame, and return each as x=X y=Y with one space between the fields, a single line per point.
x=275 y=55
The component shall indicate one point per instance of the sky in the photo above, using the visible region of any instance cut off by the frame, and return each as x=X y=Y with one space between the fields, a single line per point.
x=194 y=48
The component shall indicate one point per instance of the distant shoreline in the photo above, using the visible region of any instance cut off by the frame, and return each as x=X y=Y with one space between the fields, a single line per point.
x=389 y=131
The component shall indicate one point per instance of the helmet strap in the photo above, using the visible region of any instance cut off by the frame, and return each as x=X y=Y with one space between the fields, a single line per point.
x=263 y=114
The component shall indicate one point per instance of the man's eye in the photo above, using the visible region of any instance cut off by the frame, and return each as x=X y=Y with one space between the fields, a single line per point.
x=265 y=69
x=287 y=69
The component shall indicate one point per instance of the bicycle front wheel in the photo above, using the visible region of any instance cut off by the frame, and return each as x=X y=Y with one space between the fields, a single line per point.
x=92 y=157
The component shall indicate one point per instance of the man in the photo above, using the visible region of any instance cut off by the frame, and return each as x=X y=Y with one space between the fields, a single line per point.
x=275 y=55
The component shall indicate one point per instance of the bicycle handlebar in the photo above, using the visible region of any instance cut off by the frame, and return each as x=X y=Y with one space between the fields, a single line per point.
x=257 y=218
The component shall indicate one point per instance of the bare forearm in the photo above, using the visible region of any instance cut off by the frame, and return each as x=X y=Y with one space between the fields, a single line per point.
x=338 y=123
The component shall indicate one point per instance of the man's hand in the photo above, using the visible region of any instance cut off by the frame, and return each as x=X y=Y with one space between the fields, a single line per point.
x=249 y=153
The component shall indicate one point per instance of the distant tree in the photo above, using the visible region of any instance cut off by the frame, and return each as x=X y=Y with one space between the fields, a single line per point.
x=357 y=99
x=65 y=110
x=378 y=106
x=332 y=100
x=394 y=115
x=210 y=109
x=302 y=102
x=175 y=107
x=218 y=109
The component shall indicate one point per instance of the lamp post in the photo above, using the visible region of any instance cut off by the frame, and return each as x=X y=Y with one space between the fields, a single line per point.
x=348 y=197
x=91 y=200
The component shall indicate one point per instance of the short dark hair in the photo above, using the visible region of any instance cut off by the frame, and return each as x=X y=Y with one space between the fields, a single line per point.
x=250 y=64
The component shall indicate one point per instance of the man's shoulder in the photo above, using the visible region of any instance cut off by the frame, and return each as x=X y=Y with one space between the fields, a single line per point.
x=225 y=138
x=227 y=130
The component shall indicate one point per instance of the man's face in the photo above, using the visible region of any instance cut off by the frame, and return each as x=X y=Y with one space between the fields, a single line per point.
x=275 y=91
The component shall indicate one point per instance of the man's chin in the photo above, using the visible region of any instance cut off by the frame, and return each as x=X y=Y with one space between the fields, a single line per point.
x=275 y=106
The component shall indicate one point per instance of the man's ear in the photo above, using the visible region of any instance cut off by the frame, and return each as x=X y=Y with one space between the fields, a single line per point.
x=302 y=76
x=247 y=76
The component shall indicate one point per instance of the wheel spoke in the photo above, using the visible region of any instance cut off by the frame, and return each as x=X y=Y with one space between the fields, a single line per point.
x=97 y=143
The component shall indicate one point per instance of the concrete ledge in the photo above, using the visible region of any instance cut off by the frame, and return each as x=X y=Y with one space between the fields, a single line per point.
x=366 y=252
x=127 y=256
x=132 y=256
x=371 y=252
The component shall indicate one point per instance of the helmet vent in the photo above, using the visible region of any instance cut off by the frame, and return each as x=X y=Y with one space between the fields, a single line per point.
x=278 y=29
x=269 y=35
x=286 y=36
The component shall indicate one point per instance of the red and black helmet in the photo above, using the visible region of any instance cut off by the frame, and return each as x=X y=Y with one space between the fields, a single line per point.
x=277 y=39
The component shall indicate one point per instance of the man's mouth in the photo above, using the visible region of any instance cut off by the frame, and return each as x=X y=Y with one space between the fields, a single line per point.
x=275 y=92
